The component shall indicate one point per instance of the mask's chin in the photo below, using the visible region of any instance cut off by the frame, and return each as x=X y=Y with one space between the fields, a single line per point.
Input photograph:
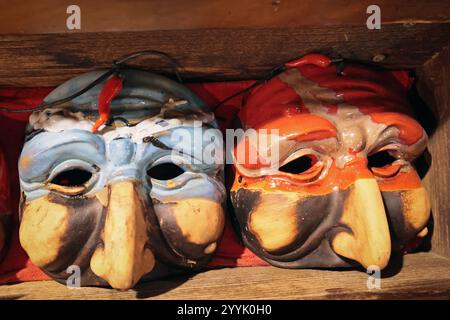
x=89 y=278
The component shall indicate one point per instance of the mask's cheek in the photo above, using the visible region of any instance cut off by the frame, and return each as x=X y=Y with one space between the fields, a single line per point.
x=280 y=222
x=408 y=206
x=274 y=221
x=191 y=226
x=42 y=229
x=408 y=213
x=58 y=231
x=416 y=209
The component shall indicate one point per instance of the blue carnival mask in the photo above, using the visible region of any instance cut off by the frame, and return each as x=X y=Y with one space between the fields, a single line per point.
x=138 y=199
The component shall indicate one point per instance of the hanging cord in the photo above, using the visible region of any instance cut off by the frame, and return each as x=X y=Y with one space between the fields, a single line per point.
x=114 y=70
x=314 y=59
x=176 y=66
x=270 y=74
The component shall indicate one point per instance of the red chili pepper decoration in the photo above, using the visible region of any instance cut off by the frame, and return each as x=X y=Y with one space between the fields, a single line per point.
x=111 y=90
x=316 y=59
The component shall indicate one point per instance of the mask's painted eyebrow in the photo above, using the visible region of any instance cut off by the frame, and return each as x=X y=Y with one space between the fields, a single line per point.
x=161 y=145
x=198 y=145
x=44 y=150
x=410 y=131
x=303 y=127
x=156 y=142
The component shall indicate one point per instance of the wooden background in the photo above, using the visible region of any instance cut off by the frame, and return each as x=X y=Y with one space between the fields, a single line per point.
x=49 y=16
x=434 y=87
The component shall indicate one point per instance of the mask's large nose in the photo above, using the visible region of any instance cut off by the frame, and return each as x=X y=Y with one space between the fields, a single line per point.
x=123 y=259
x=368 y=239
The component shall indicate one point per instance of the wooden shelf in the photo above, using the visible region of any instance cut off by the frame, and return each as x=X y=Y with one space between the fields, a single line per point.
x=422 y=276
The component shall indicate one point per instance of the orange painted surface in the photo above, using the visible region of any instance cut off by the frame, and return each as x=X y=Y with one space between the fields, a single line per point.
x=253 y=159
x=386 y=171
x=302 y=127
x=410 y=131
x=402 y=181
x=335 y=178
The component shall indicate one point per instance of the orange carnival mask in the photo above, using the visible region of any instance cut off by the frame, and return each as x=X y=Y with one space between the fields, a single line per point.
x=343 y=190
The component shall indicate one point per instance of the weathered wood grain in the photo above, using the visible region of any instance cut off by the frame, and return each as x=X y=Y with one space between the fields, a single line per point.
x=423 y=276
x=213 y=54
x=434 y=87
x=49 y=16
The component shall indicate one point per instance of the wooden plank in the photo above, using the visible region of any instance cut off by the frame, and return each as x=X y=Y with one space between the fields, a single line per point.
x=423 y=276
x=214 y=54
x=49 y=16
x=434 y=87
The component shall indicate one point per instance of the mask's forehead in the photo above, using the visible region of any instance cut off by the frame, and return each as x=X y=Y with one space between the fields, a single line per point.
x=146 y=101
x=352 y=113
x=321 y=91
x=141 y=91
x=360 y=109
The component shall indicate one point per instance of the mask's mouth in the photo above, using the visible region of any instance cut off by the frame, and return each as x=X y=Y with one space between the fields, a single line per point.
x=317 y=244
x=312 y=220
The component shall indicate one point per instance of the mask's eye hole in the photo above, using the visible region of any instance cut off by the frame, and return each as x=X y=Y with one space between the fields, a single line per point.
x=72 y=178
x=380 y=159
x=165 y=171
x=299 y=165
